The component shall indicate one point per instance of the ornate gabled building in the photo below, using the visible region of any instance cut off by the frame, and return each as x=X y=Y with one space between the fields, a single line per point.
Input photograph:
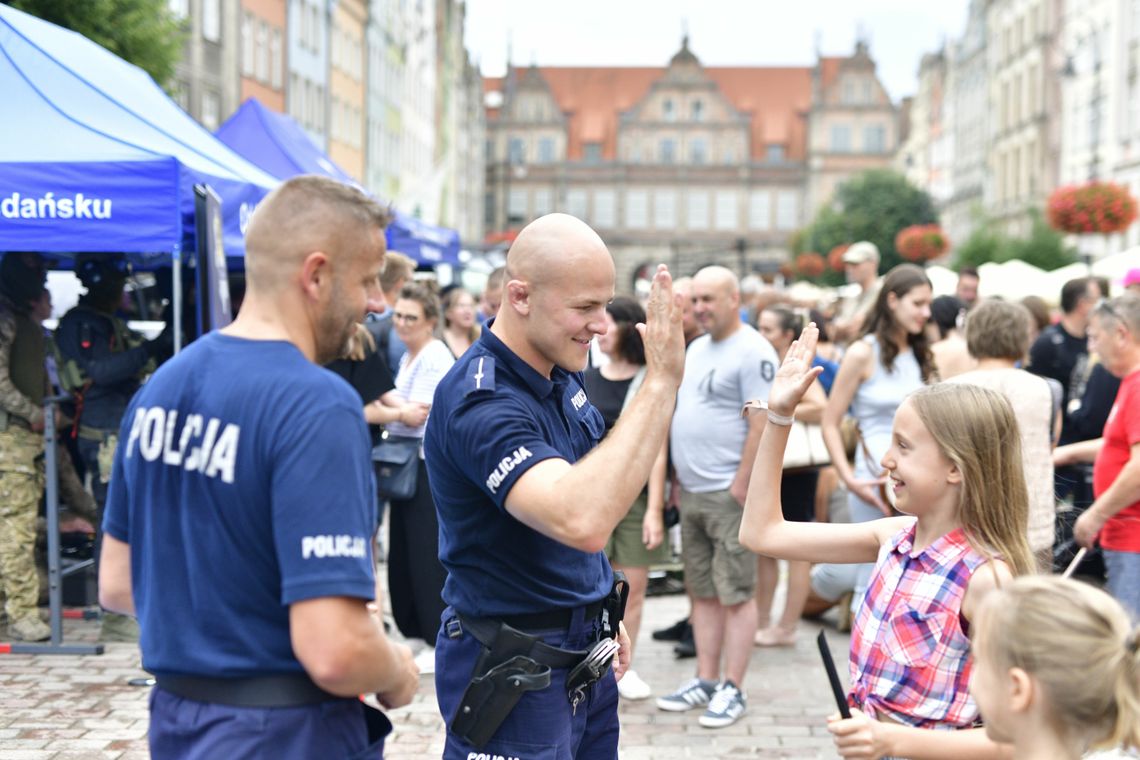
x=685 y=164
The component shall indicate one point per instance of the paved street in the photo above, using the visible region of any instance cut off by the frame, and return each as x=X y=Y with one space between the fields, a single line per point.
x=83 y=707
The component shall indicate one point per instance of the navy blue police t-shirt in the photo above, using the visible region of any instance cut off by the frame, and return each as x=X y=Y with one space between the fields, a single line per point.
x=243 y=484
x=493 y=418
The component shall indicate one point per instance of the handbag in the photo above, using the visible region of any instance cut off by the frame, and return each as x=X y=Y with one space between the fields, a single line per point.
x=805 y=448
x=397 y=462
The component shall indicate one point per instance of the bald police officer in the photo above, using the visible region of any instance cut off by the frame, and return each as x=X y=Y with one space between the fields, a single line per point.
x=526 y=503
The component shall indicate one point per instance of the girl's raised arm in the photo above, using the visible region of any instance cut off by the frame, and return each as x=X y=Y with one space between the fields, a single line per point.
x=763 y=528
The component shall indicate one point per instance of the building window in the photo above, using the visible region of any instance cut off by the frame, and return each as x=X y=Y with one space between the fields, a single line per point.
x=261 y=61
x=668 y=113
x=546 y=150
x=668 y=150
x=211 y=110
x=212 y=20
x=516 y=151
x=489 y=150
x=875 y=139
x=698 y=110
x=577 y=203
x=866 y=92
x=182 y=95
x=604 y=209
x=246 y=45
x=592 y=152
x=276 y=64
x=516 y=206
x=787 y=210
x=542 y=202
x=665 y=209
x=698 y=150
x=636 y=209
x=840 y=138
x=726 y=211
x=775 y=154
x=848 y=92
x=697 y=210
x=315 y=28
x=760 y=210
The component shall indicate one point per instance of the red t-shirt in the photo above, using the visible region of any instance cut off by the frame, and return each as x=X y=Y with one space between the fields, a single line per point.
x=1121 y=433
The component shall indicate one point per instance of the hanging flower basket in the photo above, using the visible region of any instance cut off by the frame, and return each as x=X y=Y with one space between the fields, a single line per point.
x=921 y=242
x=835 y=257
x=810 y=264
x=1101 y=207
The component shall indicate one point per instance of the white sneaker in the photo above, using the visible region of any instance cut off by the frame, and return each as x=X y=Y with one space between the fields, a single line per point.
x=425 y=661
x=725 y=707
x=632 y=687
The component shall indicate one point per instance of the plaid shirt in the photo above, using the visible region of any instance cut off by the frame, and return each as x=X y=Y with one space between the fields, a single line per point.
x=910 y=658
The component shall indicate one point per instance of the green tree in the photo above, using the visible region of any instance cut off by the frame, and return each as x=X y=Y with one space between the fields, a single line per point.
x=1044 y=248
x=872 y=206
x=144 y=32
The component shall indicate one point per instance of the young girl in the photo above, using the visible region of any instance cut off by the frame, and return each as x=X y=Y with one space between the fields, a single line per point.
x=1056 y=669
x=954 y=462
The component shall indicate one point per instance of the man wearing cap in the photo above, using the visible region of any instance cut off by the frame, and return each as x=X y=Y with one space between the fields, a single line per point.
x=23 y=383
x=104 y=362
x=861 y=265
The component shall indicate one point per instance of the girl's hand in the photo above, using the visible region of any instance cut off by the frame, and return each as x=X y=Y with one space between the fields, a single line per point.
x=859 y=736
x=652 y=529
x=796 y=374
x=868 y=491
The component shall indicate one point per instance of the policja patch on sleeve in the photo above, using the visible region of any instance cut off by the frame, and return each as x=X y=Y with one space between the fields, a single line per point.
x=480 y=375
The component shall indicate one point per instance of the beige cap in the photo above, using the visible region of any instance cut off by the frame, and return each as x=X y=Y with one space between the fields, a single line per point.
x=860 y=252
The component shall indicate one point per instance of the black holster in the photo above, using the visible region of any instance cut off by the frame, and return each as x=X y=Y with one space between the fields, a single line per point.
x=502 y=674
x=613 y=606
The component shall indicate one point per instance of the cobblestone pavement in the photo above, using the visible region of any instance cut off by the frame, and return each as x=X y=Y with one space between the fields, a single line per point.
x=57 y=707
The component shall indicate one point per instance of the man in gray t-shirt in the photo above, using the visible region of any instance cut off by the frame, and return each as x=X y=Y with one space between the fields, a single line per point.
x=713 y=448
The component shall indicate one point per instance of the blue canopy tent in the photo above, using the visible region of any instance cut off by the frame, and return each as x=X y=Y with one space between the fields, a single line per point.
x=278 y=144
x=95 y=157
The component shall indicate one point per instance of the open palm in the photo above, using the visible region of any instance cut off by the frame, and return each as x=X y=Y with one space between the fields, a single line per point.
x=796 y=373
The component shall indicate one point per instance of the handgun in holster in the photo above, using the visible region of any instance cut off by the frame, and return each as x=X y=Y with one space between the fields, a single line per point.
x=502 y=674
x=613 y=606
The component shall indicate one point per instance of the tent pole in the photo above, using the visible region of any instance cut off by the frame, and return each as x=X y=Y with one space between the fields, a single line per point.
x=177 y=298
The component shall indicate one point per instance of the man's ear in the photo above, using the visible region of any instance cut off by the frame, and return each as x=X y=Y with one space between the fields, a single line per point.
x=517 y=294
x=316 y=273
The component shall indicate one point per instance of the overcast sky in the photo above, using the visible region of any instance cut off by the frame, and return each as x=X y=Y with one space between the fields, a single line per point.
x=722 y=32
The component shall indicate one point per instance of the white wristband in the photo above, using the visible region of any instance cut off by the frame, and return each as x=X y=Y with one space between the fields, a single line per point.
x=779 y=419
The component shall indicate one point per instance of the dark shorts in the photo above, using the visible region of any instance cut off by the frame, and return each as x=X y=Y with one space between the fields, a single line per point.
x=183 y=729
x=542 y=726
x=797 y=495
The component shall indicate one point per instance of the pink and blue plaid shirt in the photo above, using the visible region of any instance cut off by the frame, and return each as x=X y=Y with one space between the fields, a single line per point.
x=910 y=657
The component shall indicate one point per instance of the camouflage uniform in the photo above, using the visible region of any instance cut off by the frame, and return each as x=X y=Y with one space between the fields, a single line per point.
x=21 y=457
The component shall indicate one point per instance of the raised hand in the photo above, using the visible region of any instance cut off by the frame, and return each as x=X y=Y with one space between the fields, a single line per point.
x=662 y=334
x=796 y=373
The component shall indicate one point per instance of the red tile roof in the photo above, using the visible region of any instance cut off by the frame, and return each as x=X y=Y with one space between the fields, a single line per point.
x=777 y=99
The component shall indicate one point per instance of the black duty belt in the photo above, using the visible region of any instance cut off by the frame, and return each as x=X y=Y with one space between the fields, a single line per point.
x=284 y=690
x=552 y=619
x=487 y=631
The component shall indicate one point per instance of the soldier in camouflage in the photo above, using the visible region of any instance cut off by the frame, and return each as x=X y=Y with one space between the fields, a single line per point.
x=103 y=363
x=23 y=384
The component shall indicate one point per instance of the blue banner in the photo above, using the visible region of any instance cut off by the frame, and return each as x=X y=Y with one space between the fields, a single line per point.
x=128 y=206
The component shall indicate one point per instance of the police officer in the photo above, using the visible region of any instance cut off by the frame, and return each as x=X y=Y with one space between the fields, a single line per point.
x=103 y=362
x=524 y=512
x=23 y=383
x=240 y=517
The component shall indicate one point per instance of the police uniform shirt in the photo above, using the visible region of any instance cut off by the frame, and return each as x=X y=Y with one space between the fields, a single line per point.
x=493 y=418
x=240 y=493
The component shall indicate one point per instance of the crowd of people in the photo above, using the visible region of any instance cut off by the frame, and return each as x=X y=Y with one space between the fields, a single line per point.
x=922 y=463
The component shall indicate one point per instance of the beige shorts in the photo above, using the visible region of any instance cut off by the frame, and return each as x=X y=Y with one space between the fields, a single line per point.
x=716 y=565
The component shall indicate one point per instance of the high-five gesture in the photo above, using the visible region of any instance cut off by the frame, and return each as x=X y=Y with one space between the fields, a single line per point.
x=796 y=373
x=662 y=334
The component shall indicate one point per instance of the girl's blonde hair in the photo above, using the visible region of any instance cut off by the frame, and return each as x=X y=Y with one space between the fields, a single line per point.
x=976 y=430
x=1079 y=644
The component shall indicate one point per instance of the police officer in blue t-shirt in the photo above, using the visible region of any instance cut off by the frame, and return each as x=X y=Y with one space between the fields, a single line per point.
x=241 y=510
x=526 y=504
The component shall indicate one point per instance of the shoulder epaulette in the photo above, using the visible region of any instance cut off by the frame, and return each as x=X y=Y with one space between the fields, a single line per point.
x=480 y=375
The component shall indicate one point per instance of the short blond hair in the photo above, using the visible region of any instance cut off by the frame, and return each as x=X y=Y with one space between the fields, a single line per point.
x=1079 y=644
x=398 y=269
